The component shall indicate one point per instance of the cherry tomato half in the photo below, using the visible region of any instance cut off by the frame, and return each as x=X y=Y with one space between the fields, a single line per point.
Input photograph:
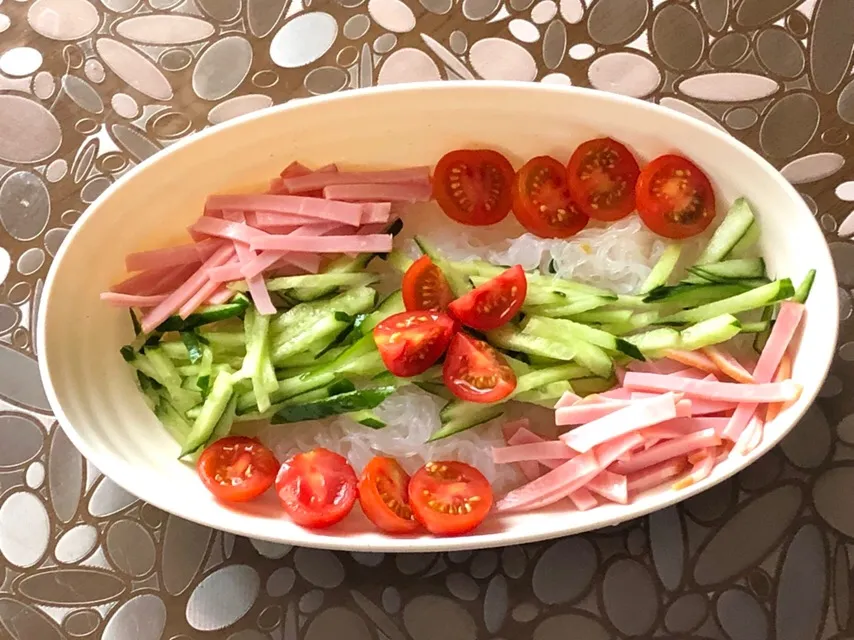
x=602 y=175
x=425 y=286
x=476 y=372
x=473 y=186
x=383 y=494
x=449 y=498
x=316 y=488
x=411 y=342
x=493 y=303
x=542 y=201
x=237 y=469
x=675 y=198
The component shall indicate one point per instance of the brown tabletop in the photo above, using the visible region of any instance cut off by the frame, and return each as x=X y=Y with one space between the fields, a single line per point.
x=90 y=88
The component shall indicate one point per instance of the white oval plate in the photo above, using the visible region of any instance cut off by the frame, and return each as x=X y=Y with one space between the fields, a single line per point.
x=92 y=390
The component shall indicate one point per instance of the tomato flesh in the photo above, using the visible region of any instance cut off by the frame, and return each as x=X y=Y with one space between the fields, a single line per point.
x=237 y=469
x=316 y=488
x=449 y=498
x=384 y=497
x=476 y=372
x=411 y=342
x=602 y=175
x=542 y=201
x=675 y=198
x=494 y=303
x=473 y=186
x=425 y=286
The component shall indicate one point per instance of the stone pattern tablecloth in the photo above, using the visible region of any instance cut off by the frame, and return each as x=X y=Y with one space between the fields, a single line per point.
x=88 y=88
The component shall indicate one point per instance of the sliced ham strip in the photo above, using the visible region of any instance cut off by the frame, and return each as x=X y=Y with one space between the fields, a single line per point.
x=640 y=414
x=567 y=399
x=258 y=290
x=784 y=372
x=221 y=296
x=728 y=365
x=226 y=273
x=128 y=300
x=584 y=413
x=656 y=475
x=375 y=212
x=663 y=366
x=620 y=393
x=666 y=450
x=537 y=451
x=264 y=219
x=319 y=180
x=611 y=486
x=695 y=374
x=227 y=229
x=693 y=359
x=331 y=210
x=683 y=426
x=785 y=326
x=553 y=486
x=380 y=243
x=295 y=169
x=307 y=261
x=517 y=433
x=186 y=291
x=161 y=258
x=410 y=193
x=703 y=466
x=155 y=281
x=583 y=499
x=707 y=390
x=200 y=298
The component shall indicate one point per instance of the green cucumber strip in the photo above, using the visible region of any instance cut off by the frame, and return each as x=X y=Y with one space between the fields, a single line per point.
x=350 y=280
x=399 y=261
x=654 y=342
x=708 y=332
x=604 y=317
x=392 y=304
x=589 y=386
x=510 y=337
x=203 y=382
x=537 y=378
x=211 y=411
x=545 y=396
x=750 y=238
x=172 y=420
x=803 y=290
x=464 y=416
x=754 y=299
x=206 y=315
x=731 y=270
x=137 y=328
x=688 y=295
x=663 y=269
x=458 y=282
x=335 y=405
x=166 y=373
x=193 y=344
x=736 y=223
x=367 y=418
x=564 y=330
x=343 y=264
x=569 y=308
x=755 y=327
x=224 y=339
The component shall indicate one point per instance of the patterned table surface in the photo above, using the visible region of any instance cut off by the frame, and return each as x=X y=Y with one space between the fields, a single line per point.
x=88 y=88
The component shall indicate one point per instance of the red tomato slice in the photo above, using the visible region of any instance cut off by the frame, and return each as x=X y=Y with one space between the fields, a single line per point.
x=493 y=303
x=411 y=342
x=316 y=488
x=237 y=469
x=425 y=286
x=675 y=198
x=383 y=494
x=542 y=201
x=449 y=498
x=602 y=175
x=473 y=186
x=476 y=372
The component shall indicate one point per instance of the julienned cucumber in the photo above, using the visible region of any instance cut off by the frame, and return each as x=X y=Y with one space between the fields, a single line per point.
x=212 y=410
x=457 y=281
x=334 y=405
x=561 y=329
x=736 y=223
x=206 y=315
x=754 y=299
x=730 y=270
x=663 y=268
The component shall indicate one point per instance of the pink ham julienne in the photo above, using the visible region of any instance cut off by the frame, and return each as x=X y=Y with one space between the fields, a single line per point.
x=245 y=237
x=633 y=439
